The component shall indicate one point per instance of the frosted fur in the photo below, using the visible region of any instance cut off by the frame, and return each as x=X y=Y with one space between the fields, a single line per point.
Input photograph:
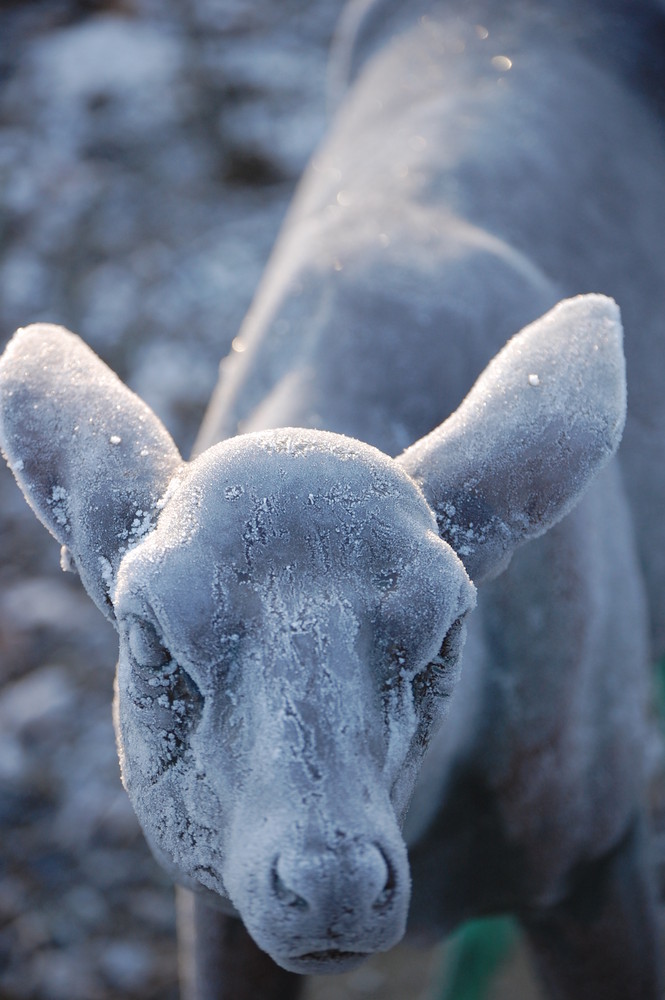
x=302 y=554
x=577 y=384
x=293 y=604
x=75 y=440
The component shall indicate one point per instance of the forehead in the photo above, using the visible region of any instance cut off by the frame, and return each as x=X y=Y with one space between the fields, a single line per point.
x=313 y=519
x=266 y=496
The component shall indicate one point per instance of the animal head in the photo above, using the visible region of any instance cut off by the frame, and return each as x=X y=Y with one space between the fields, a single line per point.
x=291 y=608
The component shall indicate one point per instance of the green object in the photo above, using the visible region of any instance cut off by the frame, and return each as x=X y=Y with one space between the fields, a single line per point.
x=660 y=687
x=473 y=955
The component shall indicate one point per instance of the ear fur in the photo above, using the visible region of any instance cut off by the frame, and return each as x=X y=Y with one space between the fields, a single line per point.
x=543 y=418
x=91 y=458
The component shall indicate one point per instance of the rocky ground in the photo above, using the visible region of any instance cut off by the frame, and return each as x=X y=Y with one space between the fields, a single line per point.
x=148 y=149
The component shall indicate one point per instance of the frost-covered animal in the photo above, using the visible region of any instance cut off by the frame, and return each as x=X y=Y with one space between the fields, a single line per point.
x=292 y=604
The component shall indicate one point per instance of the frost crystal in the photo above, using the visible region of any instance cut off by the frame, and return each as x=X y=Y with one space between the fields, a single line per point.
x=106 y=570
x=58 y=503
x=67 y=564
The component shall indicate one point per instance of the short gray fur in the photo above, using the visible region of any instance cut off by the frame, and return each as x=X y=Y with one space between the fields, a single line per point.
x=292 y=604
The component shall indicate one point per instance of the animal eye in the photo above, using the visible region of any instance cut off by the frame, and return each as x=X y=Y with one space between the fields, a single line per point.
x=450 y=648
x=166 y=699
x=146 y=646
x=437 y=677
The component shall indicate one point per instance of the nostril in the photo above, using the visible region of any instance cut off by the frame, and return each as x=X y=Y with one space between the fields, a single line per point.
x=358 y=878
x=385 y=897
x=284 y=894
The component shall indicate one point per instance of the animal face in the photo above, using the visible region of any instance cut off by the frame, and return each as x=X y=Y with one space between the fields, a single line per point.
x=290 y=634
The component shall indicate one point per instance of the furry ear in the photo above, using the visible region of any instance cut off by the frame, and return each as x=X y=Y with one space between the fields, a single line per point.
x=90 y=457
x=543 y=418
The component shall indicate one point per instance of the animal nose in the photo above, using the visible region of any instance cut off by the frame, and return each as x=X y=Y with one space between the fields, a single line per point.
x=338 y=883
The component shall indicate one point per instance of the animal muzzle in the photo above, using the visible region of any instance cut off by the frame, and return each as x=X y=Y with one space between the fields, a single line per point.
x=324 y=908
